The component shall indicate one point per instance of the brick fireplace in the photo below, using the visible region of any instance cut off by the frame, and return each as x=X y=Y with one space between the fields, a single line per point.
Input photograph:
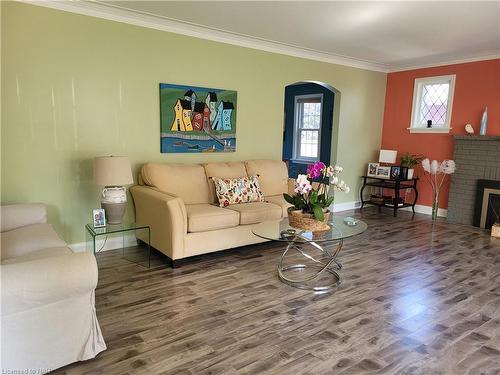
x=477 y=158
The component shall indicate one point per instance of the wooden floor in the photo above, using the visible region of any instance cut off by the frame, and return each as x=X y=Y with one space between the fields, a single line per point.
x=416 y=298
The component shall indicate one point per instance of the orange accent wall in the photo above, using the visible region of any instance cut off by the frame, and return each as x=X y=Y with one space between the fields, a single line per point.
x=477 y=85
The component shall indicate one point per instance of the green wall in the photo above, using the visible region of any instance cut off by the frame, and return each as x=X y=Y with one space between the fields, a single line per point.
x=75 y=87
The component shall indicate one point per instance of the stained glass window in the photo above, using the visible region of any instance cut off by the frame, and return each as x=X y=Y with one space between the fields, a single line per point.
x=432 y=103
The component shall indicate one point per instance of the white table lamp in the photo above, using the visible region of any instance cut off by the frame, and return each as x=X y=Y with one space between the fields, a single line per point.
x=113 y=172
x=387 y=156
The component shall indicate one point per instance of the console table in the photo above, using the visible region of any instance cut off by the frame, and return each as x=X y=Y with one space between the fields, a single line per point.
x=390 y=184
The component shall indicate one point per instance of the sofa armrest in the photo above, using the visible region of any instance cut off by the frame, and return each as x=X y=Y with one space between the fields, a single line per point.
x=31 y=284
x=291 y=186
x=20 y=215
x=166 y=216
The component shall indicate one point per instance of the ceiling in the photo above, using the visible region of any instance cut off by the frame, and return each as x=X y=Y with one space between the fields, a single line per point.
x=383 y=35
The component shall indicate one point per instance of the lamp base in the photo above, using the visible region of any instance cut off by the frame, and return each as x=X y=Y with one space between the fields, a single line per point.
x=114 y=212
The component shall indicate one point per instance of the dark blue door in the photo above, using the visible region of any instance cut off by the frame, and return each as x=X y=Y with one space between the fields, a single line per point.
x=291 y=93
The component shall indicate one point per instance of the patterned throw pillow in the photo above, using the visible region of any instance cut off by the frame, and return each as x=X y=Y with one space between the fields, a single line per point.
x=237 y=190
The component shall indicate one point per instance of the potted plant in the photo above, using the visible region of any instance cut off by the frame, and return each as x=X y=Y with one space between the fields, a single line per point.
x=410 y=161
x=311 y=199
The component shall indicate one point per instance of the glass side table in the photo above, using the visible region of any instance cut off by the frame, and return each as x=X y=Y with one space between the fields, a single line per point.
x=123 y=228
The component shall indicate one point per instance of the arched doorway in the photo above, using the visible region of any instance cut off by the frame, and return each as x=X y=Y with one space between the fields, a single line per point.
x=308 y=129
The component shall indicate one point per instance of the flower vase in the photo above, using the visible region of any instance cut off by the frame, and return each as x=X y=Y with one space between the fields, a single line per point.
x=484 y=122
x=435 y=205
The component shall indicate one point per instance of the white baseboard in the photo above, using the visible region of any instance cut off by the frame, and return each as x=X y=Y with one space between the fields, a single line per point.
x=116 y=242
x=111 y=243
x=421 y=209
x=346 y=206
x=427 y=210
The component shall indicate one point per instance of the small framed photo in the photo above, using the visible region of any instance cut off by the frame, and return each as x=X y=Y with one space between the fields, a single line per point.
x=399 y=173
x=99 y=217
x=384 y=172
x=372 y=169
x=396 y=172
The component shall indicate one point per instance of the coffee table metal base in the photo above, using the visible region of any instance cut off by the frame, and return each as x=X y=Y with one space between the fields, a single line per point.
x=326 y=264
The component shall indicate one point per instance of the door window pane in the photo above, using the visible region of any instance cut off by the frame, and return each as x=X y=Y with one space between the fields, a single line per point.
x=309 y=143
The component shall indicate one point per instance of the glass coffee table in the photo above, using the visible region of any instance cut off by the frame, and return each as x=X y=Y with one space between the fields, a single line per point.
x=320 y=273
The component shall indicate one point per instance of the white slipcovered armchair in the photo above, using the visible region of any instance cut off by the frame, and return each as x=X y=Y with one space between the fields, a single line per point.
x=48 y=317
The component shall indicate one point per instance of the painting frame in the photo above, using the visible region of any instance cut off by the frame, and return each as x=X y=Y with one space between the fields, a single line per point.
x=196 y=119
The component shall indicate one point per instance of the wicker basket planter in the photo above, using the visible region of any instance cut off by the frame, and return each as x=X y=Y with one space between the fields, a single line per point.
x=301 y=220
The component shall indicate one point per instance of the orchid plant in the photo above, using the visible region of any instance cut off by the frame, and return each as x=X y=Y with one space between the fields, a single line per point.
x=315 y=200
x=435 y=172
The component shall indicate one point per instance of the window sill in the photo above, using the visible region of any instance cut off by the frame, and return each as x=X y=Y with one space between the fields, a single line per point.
x=303 y=161
x=429 y=130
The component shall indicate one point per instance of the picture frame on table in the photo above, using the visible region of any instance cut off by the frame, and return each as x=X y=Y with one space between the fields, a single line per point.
x=372 y=169
x=99 y=217
x=383 y=172
x=399 y=172
x=395 y=172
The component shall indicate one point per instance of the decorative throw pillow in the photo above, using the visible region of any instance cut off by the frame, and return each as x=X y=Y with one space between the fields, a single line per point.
x=237 y=190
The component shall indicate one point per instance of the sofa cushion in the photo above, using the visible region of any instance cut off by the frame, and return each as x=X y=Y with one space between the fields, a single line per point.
x=273 y=175
x=205 y=217
x=24 y=240
x=223 y=170
x=237 y=190
x=186 y=181
x=257 y=212
x=39 y=254
x=280 y=201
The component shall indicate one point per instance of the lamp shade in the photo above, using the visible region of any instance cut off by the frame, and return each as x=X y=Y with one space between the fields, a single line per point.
x=112 y=171
x=387 y=156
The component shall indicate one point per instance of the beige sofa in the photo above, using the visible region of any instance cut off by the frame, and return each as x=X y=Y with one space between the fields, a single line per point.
x=48 y=313
x=178 y=202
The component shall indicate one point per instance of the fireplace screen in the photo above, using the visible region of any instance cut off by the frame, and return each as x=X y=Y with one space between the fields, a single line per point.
x=487 y=208
x=492 y=211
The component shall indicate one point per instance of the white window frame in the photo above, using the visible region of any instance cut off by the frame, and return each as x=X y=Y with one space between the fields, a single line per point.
x=415 y=127
x=296 y=132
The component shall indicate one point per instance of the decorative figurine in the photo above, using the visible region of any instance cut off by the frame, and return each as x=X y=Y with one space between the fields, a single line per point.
x=469 y=129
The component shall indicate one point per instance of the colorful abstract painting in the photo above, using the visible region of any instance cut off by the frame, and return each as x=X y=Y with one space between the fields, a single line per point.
x=197 y=119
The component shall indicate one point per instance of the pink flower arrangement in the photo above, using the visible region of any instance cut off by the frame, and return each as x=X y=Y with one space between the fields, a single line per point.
x=315 y=170
x=312 y=200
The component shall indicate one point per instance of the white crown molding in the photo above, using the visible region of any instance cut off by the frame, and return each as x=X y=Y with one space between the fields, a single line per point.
x=132 y=17
x=489 y=55
x=119 y=14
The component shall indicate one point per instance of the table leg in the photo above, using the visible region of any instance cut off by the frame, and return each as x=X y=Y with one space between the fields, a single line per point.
x=319 y=267
x=149 y=247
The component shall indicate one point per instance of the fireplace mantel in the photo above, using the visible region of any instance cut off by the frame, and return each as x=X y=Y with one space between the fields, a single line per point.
x=476 y=138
